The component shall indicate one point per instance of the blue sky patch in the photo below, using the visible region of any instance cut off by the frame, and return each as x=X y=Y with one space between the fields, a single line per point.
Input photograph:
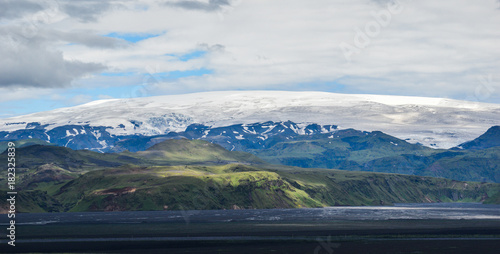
x=141 y=89
x=189 y=56
x=192 y=55
x=172 y=75
x=132 y=37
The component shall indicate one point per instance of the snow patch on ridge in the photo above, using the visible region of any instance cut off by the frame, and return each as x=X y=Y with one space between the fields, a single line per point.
x=435 y=122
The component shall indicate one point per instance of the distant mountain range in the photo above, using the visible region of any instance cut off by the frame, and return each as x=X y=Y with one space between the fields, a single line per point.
x=137 y=124
x=99 y=125
x=315 y=146
x=232 y=150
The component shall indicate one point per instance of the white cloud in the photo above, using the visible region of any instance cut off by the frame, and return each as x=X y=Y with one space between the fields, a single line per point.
x=104 y=97
x=430 y=48
x=15 y=94
x=79 y=99
x=70 y=100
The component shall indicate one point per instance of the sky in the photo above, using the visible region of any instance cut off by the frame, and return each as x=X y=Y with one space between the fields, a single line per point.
x=61 y=53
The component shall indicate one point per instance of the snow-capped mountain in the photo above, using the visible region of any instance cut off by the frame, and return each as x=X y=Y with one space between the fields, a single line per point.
x=239 y=137
x=435 y=122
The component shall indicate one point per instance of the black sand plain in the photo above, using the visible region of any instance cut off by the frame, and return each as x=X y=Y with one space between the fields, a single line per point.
x=342 y=236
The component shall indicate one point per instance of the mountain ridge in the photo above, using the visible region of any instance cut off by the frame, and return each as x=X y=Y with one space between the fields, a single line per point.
x=491 y=138
x=434 y=122
x=307 y=146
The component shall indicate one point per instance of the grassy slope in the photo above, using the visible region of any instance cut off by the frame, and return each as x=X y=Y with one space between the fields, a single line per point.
x=191 y=187
x=473 y=165
x=183 y=151
x=338 y=187
x=23 y=143
x=32 y=157
x=236 y=186
x=378 y=152
x=37 y=163
x=477 y=165
x=173 y=175
x=231 y=186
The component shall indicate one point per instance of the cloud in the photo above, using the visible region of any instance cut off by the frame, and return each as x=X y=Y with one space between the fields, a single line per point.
x=86 y=38
x=104 y=97
x=87 y=10
x=14 y=9
x=429 y=48
x=385 y=2
x=82 y=10
x=70 y=99
x=79 y=99
x=31 y=65
x=31 y=60
x=211 y=5
x=43 y=35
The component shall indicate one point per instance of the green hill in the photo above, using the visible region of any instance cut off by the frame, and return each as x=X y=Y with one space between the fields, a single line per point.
x=23 y=143
x=169 y=152
x=194 y=174
x=238 y=186
x=186 y=151
x=31 y=157
x=379 y=152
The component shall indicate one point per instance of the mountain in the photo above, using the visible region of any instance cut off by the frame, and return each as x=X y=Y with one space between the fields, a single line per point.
x=315 y=146
x=392 y=134
x=22 y=143
x=489 y=139
x=240 y=137
x=193 y=174
x=194 y=151
x=99 y=125
x=291 y=144
x=35 y=156
x=170 y=152
x=338 y=149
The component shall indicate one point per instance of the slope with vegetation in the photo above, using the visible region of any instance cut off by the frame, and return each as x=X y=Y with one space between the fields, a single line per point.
x=315 y=146
x=379 y=152
x=195 y=174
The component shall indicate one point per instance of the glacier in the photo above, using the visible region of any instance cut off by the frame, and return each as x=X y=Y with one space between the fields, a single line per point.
x=433 y=122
